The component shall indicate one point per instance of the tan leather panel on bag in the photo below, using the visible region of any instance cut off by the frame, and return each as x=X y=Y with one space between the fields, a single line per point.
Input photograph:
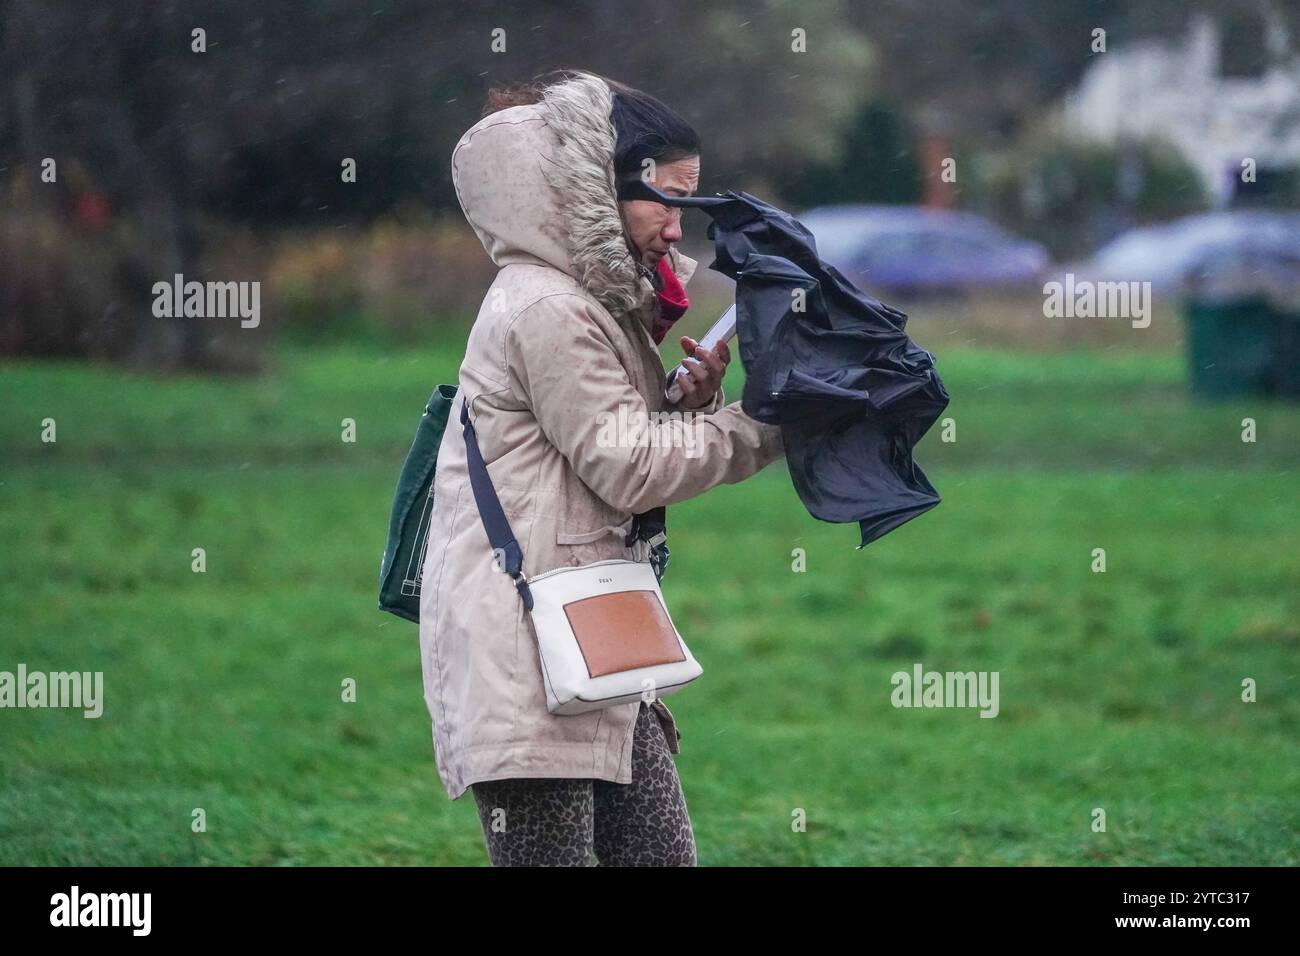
x=623 y=631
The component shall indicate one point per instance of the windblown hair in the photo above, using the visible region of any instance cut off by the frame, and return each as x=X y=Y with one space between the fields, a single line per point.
x=604 y=129
x=502 y=96
x=645 y=127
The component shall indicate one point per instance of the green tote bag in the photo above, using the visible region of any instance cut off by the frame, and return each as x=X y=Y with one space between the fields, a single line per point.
x=408 y=525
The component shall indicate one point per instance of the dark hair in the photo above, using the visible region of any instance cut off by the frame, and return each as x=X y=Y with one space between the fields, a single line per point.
x=644 y=127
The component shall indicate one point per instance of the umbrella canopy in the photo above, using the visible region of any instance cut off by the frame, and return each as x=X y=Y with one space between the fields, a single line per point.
x=829 y=363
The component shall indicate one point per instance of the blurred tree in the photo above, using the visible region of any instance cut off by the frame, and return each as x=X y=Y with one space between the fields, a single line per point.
x=879 y=164
x=257 y=127
x=1073 y=195
x=791 y=99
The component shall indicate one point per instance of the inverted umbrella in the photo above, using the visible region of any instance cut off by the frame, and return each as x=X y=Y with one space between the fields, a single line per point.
x=831 y=365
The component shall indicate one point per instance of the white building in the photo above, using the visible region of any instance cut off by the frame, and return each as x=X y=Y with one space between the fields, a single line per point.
x=1176 y=90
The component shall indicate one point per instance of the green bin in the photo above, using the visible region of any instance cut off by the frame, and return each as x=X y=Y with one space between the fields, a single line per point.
x=1243 y=346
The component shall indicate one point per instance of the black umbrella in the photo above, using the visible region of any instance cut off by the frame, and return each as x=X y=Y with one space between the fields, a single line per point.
x=827 y=362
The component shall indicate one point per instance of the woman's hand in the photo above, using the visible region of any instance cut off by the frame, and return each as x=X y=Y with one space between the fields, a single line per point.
x=704 y=377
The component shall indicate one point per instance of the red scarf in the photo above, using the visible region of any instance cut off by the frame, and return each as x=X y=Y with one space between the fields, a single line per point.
x=672 y=301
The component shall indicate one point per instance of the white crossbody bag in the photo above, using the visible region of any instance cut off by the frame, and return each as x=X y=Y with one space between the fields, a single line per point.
x=604 y=634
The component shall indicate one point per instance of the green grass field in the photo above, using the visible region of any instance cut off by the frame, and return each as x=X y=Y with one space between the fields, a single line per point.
x=1119 y=690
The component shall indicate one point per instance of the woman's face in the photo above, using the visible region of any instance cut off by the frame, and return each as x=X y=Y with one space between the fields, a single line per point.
x=654 y=227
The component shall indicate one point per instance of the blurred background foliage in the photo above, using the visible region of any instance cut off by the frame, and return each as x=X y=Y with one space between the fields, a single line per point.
x=1072 y=196
x=227 y=163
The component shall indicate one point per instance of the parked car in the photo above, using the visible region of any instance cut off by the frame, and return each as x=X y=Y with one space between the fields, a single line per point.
x=913 y=250
x=1176 y=256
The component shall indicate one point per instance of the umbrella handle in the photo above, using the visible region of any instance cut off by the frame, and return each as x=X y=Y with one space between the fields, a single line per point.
x=723 y=330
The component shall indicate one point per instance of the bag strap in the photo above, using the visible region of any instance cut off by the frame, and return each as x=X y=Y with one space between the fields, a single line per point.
x=495 y=524
x=648 y=525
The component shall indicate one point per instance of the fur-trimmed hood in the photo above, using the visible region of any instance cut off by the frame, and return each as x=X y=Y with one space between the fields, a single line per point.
x=536 y=182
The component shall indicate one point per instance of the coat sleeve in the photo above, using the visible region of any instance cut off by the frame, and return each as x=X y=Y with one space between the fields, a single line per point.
x=565 y=369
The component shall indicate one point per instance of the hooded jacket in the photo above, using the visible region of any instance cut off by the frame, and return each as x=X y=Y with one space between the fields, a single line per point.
x=561 y=348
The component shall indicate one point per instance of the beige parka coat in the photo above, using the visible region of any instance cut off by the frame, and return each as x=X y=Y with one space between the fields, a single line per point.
x=561 y=343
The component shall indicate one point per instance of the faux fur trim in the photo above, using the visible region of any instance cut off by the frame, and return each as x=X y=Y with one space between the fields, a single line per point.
x=578 y=111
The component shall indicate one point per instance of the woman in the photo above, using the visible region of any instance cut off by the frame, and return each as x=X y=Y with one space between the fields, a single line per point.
x=567 y=336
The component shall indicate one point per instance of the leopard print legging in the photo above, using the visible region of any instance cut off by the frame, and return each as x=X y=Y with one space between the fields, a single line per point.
x=561 y=821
